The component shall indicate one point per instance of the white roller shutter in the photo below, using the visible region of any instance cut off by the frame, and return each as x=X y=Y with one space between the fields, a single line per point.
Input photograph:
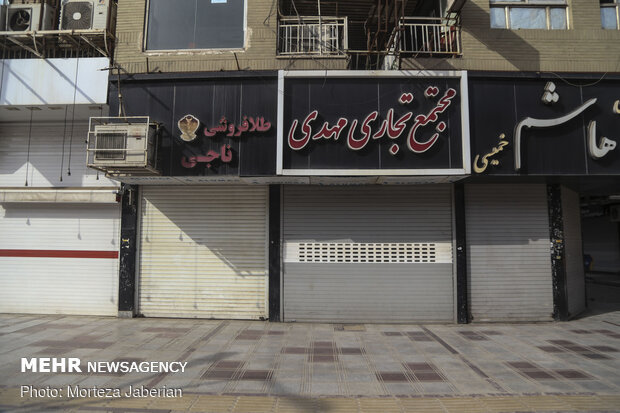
x=43 y=154
x=203 y=252
x=59 y=259
x=368 y=254
x=508 y=252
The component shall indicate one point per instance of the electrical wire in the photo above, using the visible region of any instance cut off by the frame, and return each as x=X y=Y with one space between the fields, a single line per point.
x=28 y=152
x=587 y=84
x=64 y=138
x=267 y=20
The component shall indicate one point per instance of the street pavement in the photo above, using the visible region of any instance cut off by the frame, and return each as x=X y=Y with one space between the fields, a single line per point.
x=254 y=366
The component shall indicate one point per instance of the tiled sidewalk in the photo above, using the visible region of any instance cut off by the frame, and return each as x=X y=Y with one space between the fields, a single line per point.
x=260 y=366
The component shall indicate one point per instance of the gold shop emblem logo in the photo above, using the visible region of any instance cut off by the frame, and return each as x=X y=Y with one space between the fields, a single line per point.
x=188 y=125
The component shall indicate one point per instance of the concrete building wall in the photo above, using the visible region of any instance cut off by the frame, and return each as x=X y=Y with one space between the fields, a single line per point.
x=584 y=47
x=259 y=53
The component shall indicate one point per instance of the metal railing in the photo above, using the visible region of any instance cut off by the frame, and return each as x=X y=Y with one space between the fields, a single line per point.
x=303 y=36
x=57 y=44
x=430 y=36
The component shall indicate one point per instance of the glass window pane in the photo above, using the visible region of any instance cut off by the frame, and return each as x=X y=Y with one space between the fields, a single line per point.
x=528 y=18
x=511 y=1
x=558 y=18
x=608 y=18
x=547 y=1
x=498 y=18
x=219 y=25
x=171 y=25
x=195 y=24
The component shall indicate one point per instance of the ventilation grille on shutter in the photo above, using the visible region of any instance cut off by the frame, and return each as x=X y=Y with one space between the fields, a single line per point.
x=367 y=253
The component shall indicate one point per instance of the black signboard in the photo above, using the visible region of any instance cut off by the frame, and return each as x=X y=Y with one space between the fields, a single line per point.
x=548 y=126
x=210 y=126
x=372 y=123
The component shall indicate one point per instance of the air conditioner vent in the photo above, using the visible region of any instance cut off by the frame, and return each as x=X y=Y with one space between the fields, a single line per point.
x=114 y=141
x=77 y=15
x=28 y=17
x=19 y=20
x=123 y=145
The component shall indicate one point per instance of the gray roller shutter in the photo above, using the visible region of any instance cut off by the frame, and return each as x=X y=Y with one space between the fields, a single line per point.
x=367 y=254
x=508 y=252
x=203 y=252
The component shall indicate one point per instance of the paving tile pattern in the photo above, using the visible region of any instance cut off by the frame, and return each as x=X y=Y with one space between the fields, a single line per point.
x=572 y=366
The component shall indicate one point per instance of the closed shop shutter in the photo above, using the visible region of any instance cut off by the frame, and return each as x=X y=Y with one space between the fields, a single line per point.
x=508 y=252
x=203 y=252
x=367 y=254
x=59 y=258
x=47 y=154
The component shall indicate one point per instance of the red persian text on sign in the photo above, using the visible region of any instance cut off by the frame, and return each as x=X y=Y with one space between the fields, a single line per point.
x=390 y=126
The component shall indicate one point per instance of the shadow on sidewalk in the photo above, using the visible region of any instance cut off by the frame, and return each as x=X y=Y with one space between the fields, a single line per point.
x=602 y=294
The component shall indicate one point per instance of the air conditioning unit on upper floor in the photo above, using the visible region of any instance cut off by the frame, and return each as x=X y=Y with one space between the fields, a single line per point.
x=123 y=145
x=29 y=17
x=87 y=14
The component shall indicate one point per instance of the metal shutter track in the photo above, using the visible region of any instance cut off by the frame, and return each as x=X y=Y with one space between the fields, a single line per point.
x=575 y=277
x=370 y=216
x=508 y=252
x=203 y=252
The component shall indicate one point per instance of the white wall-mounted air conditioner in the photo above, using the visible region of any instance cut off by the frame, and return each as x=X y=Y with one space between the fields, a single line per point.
x=29 y=17
x=87 y=14
x=122 y=145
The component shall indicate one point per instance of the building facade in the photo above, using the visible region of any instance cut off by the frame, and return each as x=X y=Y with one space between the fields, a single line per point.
x=60 y=220
x=367 y=161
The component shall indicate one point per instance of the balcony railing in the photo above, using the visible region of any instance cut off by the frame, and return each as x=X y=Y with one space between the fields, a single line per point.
x=303 y=36
x=430 y=36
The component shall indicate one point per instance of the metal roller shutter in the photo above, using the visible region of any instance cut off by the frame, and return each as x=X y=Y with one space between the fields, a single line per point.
x=43 y=155
x=59 y=259
x=368 y=254
x=508 y=252
x=203 y=252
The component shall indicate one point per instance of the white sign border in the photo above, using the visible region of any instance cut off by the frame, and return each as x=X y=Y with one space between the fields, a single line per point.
x=466 y=151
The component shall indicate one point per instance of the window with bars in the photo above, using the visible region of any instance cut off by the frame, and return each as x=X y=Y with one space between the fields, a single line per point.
x=529 y=14
x=610 y=14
